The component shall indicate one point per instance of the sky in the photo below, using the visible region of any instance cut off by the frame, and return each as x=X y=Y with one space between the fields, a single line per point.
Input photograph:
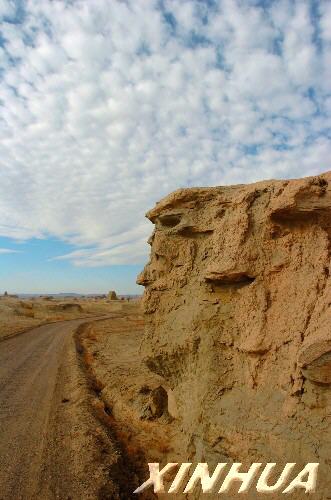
x=106 y=106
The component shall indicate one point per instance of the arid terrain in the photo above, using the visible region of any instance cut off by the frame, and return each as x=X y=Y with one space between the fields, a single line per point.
x=56 y=437
x=45 y=435
x=18 y=315
x=237 y=322
x=227 y=358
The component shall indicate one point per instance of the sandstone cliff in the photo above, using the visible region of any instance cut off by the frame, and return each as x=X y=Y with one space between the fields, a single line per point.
x=237 y=311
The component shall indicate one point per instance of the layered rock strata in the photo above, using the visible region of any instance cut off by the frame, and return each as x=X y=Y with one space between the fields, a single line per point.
x=238 y=321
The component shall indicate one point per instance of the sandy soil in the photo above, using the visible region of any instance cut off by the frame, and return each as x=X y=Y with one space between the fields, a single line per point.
x=132 y=401
x=51 y=444
x=17 y=315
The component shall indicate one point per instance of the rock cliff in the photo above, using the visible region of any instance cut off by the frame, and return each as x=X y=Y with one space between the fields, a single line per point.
x=238 y=321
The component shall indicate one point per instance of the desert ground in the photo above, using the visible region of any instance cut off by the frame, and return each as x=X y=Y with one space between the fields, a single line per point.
x=20 y=314
x=227 y=358
x=58 y=436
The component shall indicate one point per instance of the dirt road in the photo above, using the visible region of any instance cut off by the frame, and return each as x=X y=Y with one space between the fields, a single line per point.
x=47 y=433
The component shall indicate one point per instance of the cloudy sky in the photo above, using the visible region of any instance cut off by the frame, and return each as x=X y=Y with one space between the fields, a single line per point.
x=106 y=106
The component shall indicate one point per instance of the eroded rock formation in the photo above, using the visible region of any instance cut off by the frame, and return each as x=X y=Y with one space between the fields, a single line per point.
x=237 y=311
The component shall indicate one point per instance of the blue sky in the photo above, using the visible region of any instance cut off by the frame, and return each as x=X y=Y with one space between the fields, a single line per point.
x=106 y=107
x=31 y=269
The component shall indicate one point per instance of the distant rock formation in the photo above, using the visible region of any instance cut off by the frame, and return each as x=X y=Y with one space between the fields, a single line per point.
x=11 y=296
x=112 y=295
x=67 y=307
x=238 y=321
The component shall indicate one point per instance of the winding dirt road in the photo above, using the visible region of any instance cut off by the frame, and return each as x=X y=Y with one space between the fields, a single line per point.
x=46 y=428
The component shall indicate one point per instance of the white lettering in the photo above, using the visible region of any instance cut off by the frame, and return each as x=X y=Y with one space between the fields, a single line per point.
x=309 y=484
x=155 y=477
x=262 y=484
x=177 y=482
x=306 y=479
x=245 y=477
x=201 y=473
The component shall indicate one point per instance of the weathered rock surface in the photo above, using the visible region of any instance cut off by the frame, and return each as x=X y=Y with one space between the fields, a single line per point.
x=238 y=322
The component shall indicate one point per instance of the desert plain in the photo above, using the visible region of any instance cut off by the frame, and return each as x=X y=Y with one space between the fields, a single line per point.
x=226 y=358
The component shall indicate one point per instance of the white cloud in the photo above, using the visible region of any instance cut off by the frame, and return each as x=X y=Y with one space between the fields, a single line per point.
x=108 y=106
x=7 y=251
x=7 y=9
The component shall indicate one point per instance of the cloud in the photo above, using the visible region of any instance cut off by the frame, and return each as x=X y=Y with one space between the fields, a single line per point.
x=7 y=9
x=108 y=106
x=7 y=251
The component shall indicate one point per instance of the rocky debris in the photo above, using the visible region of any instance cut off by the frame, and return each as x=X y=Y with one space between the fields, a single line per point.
x=66 y=307
x=112 y=295
x=237 y=312
x=156 y=404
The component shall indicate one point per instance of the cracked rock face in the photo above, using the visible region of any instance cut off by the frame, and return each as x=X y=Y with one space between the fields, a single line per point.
x=238 y=323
